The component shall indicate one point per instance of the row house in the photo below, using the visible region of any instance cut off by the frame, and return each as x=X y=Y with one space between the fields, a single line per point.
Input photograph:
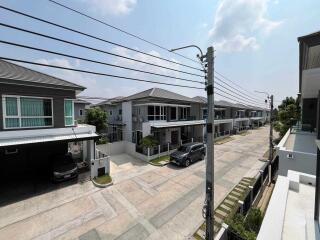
x=174 y=118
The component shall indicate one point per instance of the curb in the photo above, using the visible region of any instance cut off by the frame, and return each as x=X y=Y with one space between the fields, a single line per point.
x=102 y=185
x=157 y=164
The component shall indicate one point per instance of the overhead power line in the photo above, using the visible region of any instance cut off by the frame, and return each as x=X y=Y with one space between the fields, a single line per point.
x=237 y=93
x=95 y=37
x=97 y=73
x=120 y=30
x=95 y=49
x=236 y=100
x=98 y=62
x=237 y=89
x=235 y=97
x=221 y=75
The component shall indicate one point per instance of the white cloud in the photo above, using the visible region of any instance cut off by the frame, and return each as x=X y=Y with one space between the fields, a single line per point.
x=238 y=22
x=112 y=7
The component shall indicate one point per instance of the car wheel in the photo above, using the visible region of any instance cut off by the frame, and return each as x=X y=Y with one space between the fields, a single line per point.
x=187 y=163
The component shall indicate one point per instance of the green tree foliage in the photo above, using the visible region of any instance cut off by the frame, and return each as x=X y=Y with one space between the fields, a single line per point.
x=97 y=117
x=287 y=116
x=149 y=141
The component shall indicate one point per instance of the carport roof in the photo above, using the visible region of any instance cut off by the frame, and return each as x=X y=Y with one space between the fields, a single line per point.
x=44 y=139
x=177 y=124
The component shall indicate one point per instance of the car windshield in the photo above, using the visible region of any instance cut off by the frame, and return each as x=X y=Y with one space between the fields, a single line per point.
x=184 y=149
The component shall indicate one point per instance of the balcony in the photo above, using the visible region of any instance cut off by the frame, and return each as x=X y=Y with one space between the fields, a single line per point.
x=297 y=151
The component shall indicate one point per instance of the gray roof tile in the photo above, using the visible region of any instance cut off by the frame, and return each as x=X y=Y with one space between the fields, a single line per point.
x=15 y=74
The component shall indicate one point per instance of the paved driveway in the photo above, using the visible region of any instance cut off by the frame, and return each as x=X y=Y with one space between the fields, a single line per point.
x=145 y=202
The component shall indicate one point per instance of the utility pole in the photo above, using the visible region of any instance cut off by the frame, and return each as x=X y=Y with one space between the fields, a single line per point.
x=270 y=138
x=209 y=205
x=208 y=208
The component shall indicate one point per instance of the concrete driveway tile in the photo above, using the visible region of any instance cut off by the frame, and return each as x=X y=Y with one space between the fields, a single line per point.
x=90 y=235
x=80 y=230
x=151 y=177
x=46 y=221
x=115 y=227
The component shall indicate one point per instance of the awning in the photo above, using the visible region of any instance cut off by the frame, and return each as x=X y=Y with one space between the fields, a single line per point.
x=163 y=124
x=45 y=139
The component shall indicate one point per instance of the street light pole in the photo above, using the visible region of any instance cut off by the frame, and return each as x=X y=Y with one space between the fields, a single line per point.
x=208 y=209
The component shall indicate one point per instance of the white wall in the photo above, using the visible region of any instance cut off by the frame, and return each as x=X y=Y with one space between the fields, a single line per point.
x=146 y=129
x=127 y=120
x=301 y=162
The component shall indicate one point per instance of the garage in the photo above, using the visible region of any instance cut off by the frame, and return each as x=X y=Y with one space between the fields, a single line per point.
x=29 y=166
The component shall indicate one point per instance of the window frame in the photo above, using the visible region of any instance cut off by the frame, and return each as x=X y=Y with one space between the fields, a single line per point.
x=64 y=112
x=19 y=116
x=162 y=116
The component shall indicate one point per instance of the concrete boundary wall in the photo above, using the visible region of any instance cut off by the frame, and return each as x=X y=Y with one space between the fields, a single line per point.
x=121 y=147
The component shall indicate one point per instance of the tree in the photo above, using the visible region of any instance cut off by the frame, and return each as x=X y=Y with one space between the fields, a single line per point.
x=97 y=117
x=288 y=115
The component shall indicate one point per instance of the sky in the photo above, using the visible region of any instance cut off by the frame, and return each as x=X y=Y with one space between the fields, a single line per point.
x=255 y=41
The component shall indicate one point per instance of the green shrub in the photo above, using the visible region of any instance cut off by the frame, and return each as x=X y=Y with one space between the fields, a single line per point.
x=102 y=140
x=149 y=141
x=247 y=228
x=253 y=220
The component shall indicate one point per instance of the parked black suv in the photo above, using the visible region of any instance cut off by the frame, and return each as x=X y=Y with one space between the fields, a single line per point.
x=188 y=153
x=64 y=168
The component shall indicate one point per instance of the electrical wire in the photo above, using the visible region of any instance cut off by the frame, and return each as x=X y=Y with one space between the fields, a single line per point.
x=97 y=73
x=233 y=95
x=95 y=49
x=236 y=100
x=119 y=29
x=98 y=62
x=95 y=37
x=235 y=83
x=238 y=91
x=239 y=95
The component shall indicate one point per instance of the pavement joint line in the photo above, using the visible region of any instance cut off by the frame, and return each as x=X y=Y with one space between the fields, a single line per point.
x=133 y=211
x=166 y=214
x=101 y=210
x=50 y=209
x=145 y=186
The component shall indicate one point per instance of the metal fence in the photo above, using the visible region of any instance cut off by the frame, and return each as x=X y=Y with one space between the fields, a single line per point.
x=166 y=147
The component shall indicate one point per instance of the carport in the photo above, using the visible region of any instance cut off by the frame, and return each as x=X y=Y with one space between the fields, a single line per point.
x=26 y=160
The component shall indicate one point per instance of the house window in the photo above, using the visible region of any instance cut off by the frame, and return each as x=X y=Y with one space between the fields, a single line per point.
x=81 y=112
x=157 y=113
x=120 y=111
x=110 y=112
x=173 y=113
x=68 y=113
x=27 y=112
x=204 y=113
x=183 y=113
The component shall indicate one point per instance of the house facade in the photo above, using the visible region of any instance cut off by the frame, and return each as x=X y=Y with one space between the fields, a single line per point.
x=297 y=150
x=38 y=121
x=80 y=109
x=173 y=119
x=294 y=208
